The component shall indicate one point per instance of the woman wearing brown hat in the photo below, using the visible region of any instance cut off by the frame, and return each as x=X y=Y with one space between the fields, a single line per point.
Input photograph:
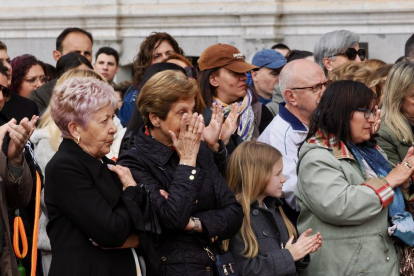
x=223 y=81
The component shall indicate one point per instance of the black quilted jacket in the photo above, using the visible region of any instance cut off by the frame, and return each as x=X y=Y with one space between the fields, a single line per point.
x=193 y=191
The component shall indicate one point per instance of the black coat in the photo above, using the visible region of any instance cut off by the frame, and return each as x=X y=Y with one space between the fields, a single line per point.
x=85 y=201
x=193 y=191
x=19 y=107
x=272 y=236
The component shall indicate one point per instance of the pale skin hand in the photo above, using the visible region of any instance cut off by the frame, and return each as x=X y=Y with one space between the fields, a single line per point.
x=401 y=173
x=187 y=144
x=124 y=175
x=19 y=135
x=303 y=246
x=230 y=125
x=318 y=237
x=211 y=133
x=4 y=129
x=376 y=125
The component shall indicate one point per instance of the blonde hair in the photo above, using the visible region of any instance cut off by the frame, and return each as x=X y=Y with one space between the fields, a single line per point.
x=399 y=83
x=374 y=63
x=358 y=71
x=162 y=90
x=47 y=122
x=248 y=174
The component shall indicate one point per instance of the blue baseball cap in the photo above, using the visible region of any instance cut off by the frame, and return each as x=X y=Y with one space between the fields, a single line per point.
x=269 y=58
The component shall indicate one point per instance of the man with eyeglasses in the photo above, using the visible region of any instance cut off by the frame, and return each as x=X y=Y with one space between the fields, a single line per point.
x=335 y=48
x=15 y=179
x=302 y=83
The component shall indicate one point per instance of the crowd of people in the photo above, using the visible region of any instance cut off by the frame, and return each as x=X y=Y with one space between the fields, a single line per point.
x=299 y=163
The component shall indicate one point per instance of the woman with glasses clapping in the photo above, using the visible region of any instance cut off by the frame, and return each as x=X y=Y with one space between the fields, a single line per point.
x=346 y=188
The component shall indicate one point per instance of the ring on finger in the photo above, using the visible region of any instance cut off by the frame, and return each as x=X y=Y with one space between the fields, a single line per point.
x=232 y=120
x=407 y=165
x=194 y=131
x=190 y=129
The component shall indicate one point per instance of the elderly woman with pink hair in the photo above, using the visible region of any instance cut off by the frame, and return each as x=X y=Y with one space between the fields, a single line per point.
x=95 y=223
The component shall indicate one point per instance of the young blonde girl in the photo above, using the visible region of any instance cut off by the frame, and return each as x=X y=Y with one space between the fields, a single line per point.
x=264 y=244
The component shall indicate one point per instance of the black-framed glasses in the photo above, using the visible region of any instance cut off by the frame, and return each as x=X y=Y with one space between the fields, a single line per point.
x=315 y=89
x=367 y=112
x=191 y=72
x=351 y=54
x=6 y=91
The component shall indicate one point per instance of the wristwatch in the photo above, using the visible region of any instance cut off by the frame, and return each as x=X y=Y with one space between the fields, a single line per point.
x=196 y=225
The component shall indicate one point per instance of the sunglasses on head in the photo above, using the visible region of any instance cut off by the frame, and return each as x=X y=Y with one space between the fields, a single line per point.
x=6 y=91
x=351 y=54
x=191 y=72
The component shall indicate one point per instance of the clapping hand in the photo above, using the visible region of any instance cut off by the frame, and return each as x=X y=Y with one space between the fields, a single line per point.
x=403 y=172
x=230 y=125
x=19 y=135
x=187 y=144
x=211 y=133
x=304 y=245
x=4 y=129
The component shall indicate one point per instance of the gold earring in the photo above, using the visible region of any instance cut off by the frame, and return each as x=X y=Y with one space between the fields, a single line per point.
x=77 y=142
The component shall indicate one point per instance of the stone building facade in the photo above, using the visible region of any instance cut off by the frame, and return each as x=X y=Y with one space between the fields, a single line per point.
x=29 y=26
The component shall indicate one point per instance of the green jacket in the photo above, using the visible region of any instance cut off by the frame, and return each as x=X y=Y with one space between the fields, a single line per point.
x=395 y=149
x=349 y=211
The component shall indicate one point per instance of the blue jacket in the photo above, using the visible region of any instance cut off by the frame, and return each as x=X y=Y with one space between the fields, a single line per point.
x=128 y=105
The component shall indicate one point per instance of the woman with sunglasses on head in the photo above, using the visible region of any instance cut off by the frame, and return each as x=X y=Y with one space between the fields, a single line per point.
x=223 y=82
x=396 y=134
x=346 y=188
x=28 y=75
x=336 y=48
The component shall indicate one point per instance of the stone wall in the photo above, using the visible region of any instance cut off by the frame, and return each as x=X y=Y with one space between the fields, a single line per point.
x=29 y=26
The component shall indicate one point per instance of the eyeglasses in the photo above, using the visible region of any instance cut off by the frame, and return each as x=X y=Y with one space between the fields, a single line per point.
x=6 y=91
x=191 y=72
x=351 y=54
x=315 y=89
x=367 y=112
x=34 y=80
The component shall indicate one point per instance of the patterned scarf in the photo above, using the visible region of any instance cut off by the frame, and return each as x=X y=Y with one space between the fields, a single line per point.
x=403 y=224
x=246 y=120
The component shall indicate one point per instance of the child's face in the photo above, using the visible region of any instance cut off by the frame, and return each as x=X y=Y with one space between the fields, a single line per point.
x=274 y=187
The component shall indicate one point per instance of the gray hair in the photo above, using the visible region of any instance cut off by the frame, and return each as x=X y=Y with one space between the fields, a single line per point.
x=333 y=43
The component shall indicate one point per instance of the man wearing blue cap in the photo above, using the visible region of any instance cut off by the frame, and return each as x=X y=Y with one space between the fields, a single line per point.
x=270 y=63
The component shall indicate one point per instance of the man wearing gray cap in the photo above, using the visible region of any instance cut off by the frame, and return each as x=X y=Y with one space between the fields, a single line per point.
x=270 y=63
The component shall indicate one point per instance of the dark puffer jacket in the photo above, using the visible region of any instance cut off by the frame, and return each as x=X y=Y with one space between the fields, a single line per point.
x=193 y=191
x=272 y=235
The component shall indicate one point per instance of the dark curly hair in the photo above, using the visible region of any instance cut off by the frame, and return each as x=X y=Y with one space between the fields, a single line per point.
x=143 y=59
x=21 y=65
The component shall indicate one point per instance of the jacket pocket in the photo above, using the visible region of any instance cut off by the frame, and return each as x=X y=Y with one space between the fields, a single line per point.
x=353 y=261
